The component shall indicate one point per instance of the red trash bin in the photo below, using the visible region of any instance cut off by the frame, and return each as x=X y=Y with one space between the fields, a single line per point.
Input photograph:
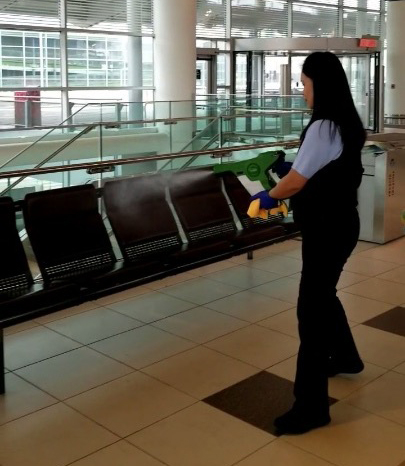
x=27 y=108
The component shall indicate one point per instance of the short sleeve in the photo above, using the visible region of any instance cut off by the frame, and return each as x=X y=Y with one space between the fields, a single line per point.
x=320 y=146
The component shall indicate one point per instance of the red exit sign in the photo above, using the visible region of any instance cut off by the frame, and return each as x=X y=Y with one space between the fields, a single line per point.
x=368 y=43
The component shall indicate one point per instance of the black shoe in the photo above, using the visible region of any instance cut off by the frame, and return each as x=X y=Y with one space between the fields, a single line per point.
x=335 y=368
x=296 y=422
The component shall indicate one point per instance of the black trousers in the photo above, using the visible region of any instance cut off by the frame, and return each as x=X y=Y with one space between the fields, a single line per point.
x=323 y=327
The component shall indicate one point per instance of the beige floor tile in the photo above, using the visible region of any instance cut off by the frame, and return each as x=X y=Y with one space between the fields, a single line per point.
x=34 y=345
x=400 y=368
x=284 y=322
x=20 y=327
x=200 y=372
x=383 y=397
x=211 y=268
x=70 y=311
x=200 y=324
x=359 y=309
x=242 y=276
x=285 y=369
x=339 y=386
x=249 y=306
x=168 y=281
x=393 y=251
x=346 y=279
x=120 y=454
x=74 y=372
x=200 y=436
x=21 y=398
x=130 y=403
x=143 y=346
x=280 y=265
x=54 y=436
x=243 y=259
x=381 y=290
x=126 y=294
x=368 y=266
x=200 y=290
x=151 y=306
x=343 y=385
x=258 y=346
x=285 y=289
x=363 y=246
x=94 y=325
x=349 y=278
x=355 y=438
x=293 y=253
x=396 y=275
x=285 y=247
x=281 y=453
x=381 y=348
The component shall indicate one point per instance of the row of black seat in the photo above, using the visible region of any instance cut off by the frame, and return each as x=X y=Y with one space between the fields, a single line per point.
x=163 y=225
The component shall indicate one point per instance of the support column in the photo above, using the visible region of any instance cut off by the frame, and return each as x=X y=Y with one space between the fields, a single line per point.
x=64 y=68
x=135 y=67
x=395 y=88
x=175 y=49
x=175 y=65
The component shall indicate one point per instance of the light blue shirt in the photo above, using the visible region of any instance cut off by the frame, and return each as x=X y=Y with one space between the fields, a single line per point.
x=318 y=148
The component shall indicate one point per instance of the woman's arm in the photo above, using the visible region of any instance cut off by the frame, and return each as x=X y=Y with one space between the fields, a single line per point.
x=291 y=184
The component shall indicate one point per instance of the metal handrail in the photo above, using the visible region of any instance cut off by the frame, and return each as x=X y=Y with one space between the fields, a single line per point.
x=43 y=137
x=128 y=161
x=47 y=159
x=116 y=123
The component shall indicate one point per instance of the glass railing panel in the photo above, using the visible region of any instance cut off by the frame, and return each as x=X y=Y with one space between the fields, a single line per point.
x=260 y=126
x=31 y=153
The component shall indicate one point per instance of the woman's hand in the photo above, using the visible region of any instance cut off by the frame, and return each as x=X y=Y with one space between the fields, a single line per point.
x=266 y=202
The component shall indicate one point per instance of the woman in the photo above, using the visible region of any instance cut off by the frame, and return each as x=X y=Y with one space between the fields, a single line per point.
x=322 y=185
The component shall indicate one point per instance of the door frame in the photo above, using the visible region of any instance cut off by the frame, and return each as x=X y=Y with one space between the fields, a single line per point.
x=304 y=46
x=210 y=55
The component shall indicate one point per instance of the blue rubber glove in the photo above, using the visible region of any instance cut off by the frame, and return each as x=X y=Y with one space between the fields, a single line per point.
x=281 y=167
x=266 y=202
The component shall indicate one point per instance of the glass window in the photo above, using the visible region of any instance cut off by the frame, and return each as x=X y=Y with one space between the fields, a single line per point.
x=32 y=41
x=11 y=78
x=11 y=40
x=357 y=23
x=32 y=52
x=51 y=42
x=32 y=63
x=97 y=78
x=97 y=64
x=77 y=44
x=53 y=53
x=21 y=58
x=222 y=69
x=12 y=51
x=314 y=20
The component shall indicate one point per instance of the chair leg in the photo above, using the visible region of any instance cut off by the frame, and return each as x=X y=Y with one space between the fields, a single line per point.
x=250 y=255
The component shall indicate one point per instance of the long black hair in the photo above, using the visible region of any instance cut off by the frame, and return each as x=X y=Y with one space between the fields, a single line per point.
x=332 y=98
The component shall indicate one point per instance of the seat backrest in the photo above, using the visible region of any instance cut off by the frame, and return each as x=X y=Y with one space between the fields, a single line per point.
x=140 y=217
x=201 y=205
x=240 y=199
x=15 y=274
x=67 y=232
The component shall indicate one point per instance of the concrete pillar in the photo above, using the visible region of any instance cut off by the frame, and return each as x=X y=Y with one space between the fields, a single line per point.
x=175 y=49
x=395 y=88
x=175 y=65
x=135 y=111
